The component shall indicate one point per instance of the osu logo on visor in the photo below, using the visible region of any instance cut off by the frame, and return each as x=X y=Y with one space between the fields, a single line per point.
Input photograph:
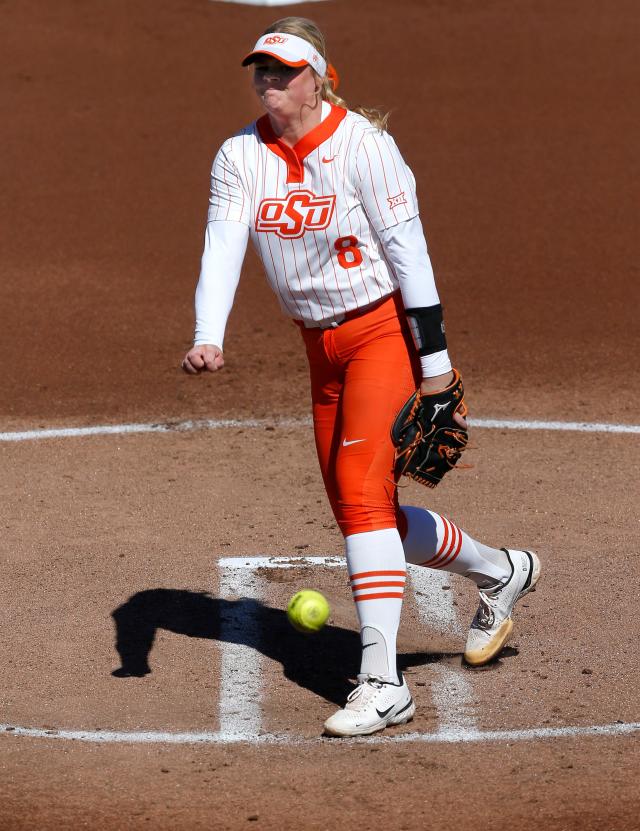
x=275 y=39
x=301 y=211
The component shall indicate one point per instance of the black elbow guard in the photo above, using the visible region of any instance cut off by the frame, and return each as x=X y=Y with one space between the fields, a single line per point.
x=427 y=329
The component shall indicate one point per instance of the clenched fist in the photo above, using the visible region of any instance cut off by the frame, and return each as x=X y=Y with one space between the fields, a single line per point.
x=205 y=357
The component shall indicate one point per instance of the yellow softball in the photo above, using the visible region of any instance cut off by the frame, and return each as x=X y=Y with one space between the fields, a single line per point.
x=308 y=611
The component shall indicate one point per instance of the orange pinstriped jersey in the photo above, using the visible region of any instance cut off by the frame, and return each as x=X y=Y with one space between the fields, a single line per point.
x=315 y=210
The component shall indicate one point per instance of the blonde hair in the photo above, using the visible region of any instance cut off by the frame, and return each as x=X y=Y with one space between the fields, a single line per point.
x=302 y=27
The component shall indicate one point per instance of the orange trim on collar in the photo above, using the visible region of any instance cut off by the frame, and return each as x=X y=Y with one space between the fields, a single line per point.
x=294 y=156
x=295 y=173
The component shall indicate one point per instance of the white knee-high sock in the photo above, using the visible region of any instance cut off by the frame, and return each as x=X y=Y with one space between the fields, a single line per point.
x=377 y=571
x=435 y=542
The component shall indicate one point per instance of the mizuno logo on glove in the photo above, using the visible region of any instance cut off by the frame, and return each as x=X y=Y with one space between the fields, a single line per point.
x=439 y=407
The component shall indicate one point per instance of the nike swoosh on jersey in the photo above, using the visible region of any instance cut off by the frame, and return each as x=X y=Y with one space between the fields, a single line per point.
x=327 y=161
x=346 y=443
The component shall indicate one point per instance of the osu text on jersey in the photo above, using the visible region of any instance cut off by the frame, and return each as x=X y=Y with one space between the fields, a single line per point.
x=290 y=217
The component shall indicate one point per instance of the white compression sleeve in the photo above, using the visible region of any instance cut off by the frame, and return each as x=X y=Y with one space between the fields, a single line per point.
x=225 y=244
x=406 y=250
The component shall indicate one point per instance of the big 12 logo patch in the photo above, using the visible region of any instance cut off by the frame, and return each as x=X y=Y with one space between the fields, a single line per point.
x=290 y=217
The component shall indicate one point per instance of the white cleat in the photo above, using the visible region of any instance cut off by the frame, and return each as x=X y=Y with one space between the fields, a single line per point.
x=492 y=624
x=372 y=706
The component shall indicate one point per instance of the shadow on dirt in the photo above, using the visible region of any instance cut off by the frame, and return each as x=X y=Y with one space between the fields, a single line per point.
x=319 y=663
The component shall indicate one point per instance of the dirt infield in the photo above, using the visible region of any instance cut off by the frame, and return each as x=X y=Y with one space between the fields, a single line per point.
x=151 y=680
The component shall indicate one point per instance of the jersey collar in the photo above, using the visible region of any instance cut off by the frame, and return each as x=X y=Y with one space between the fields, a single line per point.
x=294 y=156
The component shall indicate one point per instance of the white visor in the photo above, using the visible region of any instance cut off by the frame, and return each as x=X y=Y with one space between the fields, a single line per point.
x=288 y=49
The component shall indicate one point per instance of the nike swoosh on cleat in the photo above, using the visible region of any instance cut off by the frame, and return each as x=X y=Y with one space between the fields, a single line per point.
x=405 y=708
x=384 y=712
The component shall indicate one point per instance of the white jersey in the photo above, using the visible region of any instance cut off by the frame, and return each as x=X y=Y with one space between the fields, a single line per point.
x=315 y=211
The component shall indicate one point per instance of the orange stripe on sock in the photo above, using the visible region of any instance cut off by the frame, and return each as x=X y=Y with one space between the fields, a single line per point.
x=448 y=529
x=449 y=560
x=380 y=596
x=382 y=585
x=455 y=532
x=377 y=574
x=445 y=524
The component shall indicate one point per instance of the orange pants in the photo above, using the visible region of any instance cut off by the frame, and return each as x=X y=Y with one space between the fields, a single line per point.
x=361 y=373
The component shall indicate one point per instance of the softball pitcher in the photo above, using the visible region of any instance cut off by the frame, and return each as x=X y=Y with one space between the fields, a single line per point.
x=331 y=209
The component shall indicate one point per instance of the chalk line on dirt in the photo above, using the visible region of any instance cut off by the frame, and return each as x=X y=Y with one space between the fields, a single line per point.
x=451 y=691
x=241 y=682
x=240 y=709
x=253 y=563
x=241 y=665
x=290 y=423
x=434 y=597
x=268 y=2
x=444 y=737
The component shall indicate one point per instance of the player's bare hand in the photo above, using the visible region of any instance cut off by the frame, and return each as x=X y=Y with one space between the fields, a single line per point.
x=438 y=383
x=203 y=358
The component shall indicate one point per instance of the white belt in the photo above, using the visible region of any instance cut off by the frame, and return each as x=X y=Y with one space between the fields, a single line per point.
x=327 y=323
x=336 y=320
